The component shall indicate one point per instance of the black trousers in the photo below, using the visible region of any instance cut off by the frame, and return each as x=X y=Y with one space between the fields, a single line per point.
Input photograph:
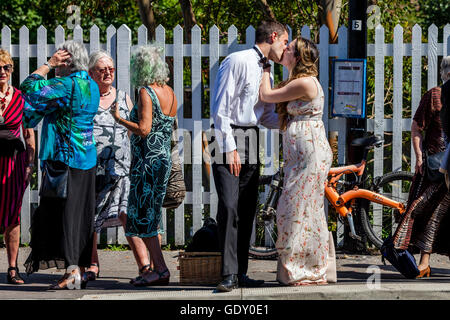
x=237 y=207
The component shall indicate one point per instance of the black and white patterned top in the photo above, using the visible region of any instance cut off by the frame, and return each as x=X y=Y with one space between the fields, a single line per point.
x=104 y=127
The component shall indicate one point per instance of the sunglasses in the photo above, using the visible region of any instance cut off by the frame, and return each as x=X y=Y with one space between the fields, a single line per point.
x=6 y=67
x=104 y=70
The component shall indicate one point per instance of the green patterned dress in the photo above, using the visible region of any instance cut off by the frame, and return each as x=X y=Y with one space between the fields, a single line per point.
x=150 y=168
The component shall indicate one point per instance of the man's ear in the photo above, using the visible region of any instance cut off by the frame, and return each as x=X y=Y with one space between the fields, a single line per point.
x=273 y=36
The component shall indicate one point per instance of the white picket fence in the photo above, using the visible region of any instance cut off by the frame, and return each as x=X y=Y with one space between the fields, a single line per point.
x=119 y=44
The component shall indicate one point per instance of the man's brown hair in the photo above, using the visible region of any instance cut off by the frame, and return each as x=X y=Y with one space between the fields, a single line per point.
x=266 y=28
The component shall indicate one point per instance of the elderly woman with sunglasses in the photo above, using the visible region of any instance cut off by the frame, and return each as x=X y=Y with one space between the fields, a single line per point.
x=16 y=163
x=113 y=161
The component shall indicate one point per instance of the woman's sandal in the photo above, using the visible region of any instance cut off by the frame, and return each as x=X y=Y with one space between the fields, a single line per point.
x=16 y=278
x=91 y=275
x=160 y=281
x=63 y=283
x=141 y=271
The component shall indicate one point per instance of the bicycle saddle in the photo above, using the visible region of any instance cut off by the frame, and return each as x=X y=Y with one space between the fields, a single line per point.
x=370 y=141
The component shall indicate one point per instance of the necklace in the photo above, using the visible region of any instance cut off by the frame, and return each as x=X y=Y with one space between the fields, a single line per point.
x=3 y=106
x=106 y=94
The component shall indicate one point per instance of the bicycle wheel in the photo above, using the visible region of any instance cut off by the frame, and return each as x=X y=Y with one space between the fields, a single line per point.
x=380 y=222
x=265 y=234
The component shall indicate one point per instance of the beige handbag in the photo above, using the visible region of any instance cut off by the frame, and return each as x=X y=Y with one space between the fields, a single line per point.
x=331 y=270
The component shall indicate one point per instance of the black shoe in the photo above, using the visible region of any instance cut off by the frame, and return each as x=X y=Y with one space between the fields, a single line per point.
x=245 y=282
x=228 y=283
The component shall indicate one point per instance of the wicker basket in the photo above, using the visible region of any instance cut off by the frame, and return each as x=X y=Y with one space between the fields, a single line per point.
x=200 y=267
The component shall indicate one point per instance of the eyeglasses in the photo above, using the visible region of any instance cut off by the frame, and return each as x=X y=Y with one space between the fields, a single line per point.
x=6 y=67
x=104 y=70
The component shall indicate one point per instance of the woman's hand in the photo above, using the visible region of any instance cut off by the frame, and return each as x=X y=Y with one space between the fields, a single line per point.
x=28 y=173
x=60 y=58
x=419 y=165
x=115 y=112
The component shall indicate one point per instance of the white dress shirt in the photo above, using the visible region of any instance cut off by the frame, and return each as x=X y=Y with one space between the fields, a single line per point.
x=236 y=95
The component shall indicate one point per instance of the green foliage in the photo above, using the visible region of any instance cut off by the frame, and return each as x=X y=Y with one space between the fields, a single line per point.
x=117 y=247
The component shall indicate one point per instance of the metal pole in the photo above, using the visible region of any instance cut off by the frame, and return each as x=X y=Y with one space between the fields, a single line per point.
x=357 y=48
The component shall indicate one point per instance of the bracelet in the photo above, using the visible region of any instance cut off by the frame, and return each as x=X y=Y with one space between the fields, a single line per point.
x=48 y=65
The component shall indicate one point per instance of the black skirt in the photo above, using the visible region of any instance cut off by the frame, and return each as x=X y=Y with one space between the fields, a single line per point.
x=62 y=229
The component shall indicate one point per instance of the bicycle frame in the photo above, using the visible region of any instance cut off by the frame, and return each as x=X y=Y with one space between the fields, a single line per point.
x=339 y=201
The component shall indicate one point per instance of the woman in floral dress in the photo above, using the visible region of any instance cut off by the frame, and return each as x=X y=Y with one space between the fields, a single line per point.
x=302 y=226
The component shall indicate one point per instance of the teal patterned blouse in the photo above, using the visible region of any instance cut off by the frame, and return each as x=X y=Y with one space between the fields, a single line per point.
x=50 y=100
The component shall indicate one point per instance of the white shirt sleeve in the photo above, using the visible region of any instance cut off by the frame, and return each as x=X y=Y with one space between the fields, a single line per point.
x=226 y=88
x=269 y=117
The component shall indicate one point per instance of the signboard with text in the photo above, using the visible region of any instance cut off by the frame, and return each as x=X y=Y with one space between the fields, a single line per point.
x=348 y=98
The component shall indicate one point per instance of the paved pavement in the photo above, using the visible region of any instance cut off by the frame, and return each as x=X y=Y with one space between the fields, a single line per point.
x=358 y=277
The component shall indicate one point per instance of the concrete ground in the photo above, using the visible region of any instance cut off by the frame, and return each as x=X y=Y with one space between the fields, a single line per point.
x=360 y=277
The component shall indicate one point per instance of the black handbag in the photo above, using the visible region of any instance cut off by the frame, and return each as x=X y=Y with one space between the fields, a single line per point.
x=176 y=189
x=54 y=179
x=432 y=163
x=402 y=260
x=55 y=173
x=10 y=145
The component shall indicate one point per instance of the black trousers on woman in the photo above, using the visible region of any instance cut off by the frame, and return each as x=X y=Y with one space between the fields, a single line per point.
x=237 y=202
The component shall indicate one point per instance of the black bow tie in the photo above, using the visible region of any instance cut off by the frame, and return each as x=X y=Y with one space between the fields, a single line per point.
x=263 y=60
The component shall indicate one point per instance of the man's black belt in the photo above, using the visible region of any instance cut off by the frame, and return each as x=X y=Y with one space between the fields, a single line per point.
x=243 y=127
x=233 y=126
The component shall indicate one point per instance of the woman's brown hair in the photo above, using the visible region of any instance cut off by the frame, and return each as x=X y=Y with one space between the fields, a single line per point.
x=307 y=56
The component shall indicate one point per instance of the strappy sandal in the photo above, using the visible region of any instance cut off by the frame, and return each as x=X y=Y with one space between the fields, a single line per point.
x=16 y=278
x=141 y=271
x=91 y=275
x=63 y=283
x=158 y=282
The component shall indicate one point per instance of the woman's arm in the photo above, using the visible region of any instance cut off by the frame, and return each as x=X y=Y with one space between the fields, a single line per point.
x=30 y=145
x=60 y=58
x=145 y=108
x=302 y=88
x=130 y=107
x=417 y=137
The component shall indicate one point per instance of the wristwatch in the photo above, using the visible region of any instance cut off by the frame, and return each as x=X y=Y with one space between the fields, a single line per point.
x=48 y=65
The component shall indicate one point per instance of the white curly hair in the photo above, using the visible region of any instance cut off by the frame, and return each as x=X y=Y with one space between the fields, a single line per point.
x=79 y=55
x=148 y=67
x=445 y=68
x=97 y=55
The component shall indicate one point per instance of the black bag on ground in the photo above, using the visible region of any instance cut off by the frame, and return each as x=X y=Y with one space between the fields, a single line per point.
x=206 y=239
x=402 y=260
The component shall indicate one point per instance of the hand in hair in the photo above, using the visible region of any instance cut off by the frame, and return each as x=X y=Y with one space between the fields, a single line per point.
x=60 y=58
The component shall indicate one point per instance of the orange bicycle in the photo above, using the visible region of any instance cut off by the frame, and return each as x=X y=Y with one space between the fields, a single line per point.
x=379 y=206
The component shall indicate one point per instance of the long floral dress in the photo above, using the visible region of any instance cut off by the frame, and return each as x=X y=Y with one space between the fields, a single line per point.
x=150 y=168
x=302 y=227
x=113 y=149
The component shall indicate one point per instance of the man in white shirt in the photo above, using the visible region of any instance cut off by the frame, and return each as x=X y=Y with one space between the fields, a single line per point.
x=236 y=113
